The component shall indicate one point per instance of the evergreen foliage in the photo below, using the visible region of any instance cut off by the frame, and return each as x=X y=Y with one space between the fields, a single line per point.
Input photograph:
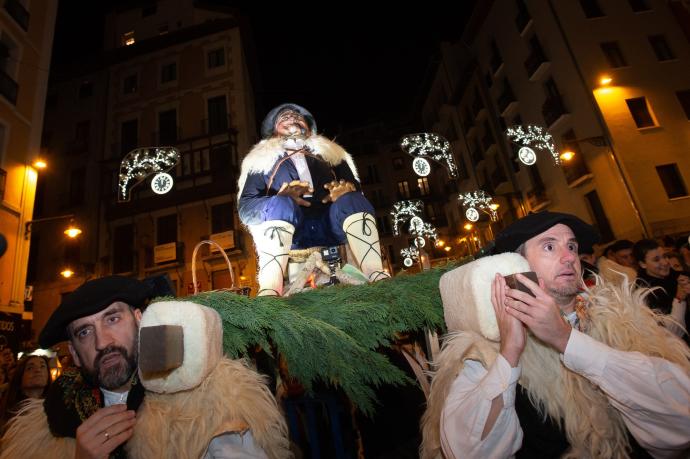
x=331 y=334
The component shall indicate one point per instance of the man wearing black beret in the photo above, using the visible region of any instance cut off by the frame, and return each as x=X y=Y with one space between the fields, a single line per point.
x=554 y=369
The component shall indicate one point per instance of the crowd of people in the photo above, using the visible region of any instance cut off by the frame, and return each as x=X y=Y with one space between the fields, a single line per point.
x=660 y=265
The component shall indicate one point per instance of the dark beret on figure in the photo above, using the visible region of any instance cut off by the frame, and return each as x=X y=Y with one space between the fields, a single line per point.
x=91 y=298
x=532 y=225
x=269 y=123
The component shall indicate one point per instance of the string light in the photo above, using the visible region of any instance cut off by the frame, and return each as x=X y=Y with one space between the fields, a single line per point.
x=410 y=256
x=142 y=162
x=403 y=210
x=432 y=146
x=478 y=199
x=533 y=136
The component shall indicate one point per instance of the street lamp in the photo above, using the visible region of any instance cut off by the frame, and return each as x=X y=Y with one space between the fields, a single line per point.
x=40 y=164
x=605 y=80
x=567 y=156
x=67 y=273
x=72 y=231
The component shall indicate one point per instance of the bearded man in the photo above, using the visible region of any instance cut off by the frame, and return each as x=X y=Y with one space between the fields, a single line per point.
x=549 y=369
x=300 y=190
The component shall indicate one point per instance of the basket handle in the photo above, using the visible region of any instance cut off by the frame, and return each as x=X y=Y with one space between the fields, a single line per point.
x=222 y=251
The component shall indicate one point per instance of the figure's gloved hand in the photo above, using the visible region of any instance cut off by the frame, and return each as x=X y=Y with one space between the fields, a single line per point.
x=296 y=190
x=336 y=189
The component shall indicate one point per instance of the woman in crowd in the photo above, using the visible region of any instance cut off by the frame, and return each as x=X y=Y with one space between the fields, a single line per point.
x=30 y=380
x=655 y=271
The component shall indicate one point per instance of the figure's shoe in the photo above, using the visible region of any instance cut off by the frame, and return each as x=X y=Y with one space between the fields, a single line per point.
x=363 y=238
x=273 y=240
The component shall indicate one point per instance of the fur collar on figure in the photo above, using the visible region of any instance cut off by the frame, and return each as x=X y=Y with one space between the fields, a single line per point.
x=617 y=317
x=232 y=398
x=263 y=156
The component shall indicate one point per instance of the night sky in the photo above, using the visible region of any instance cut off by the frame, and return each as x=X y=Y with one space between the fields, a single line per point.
x=348 y=67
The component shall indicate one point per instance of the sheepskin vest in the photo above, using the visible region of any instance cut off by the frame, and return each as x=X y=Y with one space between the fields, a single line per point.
x=233 y=398
x=616 y=316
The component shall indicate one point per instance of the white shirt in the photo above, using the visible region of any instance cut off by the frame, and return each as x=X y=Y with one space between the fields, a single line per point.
x=652 y=395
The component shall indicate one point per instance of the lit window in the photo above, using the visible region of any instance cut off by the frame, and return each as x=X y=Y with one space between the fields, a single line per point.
x=404 y=189
x=128 y=38
x=423 y=185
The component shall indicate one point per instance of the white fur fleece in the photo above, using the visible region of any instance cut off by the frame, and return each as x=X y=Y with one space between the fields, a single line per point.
x=203 y=344
x=466 y=293
x=263 y=156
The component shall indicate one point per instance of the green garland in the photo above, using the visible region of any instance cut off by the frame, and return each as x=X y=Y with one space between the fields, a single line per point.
x=331 y=334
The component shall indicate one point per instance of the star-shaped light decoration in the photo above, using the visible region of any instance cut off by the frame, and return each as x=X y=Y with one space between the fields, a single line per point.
x=475 y=201
x=410 y=256
x=432 y=146
x=532 y=136
x=412 y=210
x=142 y=162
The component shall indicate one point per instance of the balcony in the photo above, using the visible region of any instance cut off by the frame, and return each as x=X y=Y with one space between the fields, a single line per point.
x=536 y=64
x=8 y=87
x=522 y=21
x=506 y=102
x=18 y=13
x=553 y=111
x=215 y=125
x=537 y=199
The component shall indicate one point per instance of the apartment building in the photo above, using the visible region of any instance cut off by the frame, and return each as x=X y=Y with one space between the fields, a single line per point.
x=606 y=78
x=172 y=74
x=26 y=40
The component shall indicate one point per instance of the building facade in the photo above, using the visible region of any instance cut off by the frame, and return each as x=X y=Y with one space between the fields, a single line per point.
x=608 y=79
x=173 y=74
x=26 y=40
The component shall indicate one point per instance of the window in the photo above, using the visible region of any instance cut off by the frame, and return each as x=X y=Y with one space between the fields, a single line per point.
x=221 y=217
x=372 y=174
x=77 y=186
x=423 y=185
x=613 y=54
x=404 y=189
x=495 y=60
x=591 y=9
x=216 y=58
x=672 y=180
x=129 y=136
x=130 y=84
x=85 y=90
x=684 y=99
x=640 y=112
x=217 y=115
x=639 y=5
x=166 y=229
x=123 y=249
x=383 y=224
x=167 y=127
x=398 y=163
x=430 y=211
x=81 y=133
x=168 y=72
x=149 y=10
x=576 y=167
x=163 y=29
x=661 y=49
x=128 y=38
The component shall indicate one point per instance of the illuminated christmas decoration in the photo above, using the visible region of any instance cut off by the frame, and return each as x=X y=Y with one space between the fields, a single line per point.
x=527 y=156
x=141 y=163
x=478 y=200
x=421 y=167
x=534 y=136
x=161 y=183
x=432 y=146
x=403 y=210
x=410 y=256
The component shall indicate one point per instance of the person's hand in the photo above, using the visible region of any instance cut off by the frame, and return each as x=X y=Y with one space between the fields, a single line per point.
x=539 y=313
x=336 y=189
x=104 y=431
x=683 y=289
x=295 y=190
x=512 y=330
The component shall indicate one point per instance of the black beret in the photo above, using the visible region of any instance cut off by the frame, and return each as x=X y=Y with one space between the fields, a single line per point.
x=621 y=244
x=532 y=225
x=269 y=123
x=91 y=298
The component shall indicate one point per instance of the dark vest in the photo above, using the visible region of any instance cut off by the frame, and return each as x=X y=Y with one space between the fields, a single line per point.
x=545 y=439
